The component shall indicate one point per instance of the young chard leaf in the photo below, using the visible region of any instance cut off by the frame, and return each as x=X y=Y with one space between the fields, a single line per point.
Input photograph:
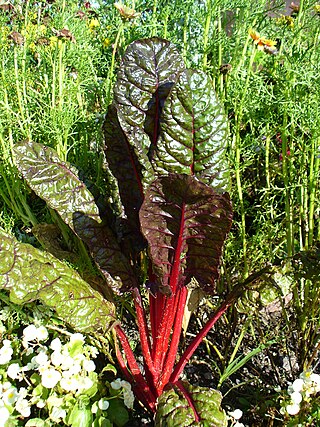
x=148 y=70
x=174 y=409
x=30 y=274
x=54 y=181
x=193 y=132
x=185 y=223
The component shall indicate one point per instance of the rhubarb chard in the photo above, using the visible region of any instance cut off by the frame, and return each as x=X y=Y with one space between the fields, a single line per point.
x=165 y=148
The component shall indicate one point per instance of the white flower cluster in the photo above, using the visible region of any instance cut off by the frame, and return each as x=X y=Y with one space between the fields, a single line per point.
x=42 y=373
x=235 y=416
x=300 y=390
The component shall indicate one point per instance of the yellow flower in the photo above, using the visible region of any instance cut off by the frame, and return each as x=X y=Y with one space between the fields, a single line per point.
x=286 y=20
x=94 y=23
x=106 y=42
x=262 y=43
x=317 y=9
x=125 y=11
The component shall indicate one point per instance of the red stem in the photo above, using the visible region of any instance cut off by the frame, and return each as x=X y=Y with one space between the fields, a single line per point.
x=189 y=400
x=164 y=331
x=197 y=340
x=169 y=312
x=148 y=397
x=173 y=350
x=143 y=332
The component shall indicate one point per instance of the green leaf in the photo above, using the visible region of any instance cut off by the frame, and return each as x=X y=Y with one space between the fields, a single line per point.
x=55 y=181
x=80 y=417
x=174 y=410
x=30 y=274
x=193 y=136
x=117 y=413
x=148 y=70
x=35 y=422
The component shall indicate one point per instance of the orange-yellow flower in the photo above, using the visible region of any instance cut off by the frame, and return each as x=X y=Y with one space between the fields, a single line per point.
x=262 y=43
x=125 y=11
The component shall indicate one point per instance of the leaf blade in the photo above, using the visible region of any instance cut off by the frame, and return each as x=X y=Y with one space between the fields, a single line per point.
x=185 y=223
x=30 y=274
x=55 y=181
x=193 y=137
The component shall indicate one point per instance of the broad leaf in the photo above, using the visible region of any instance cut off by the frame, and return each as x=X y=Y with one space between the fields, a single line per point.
x=55 y=181
x=148 y=70
x=125 y=167
x=30 y=274
x=193 y=137
x=185 y=222
x=174 y=410
x=106 y=252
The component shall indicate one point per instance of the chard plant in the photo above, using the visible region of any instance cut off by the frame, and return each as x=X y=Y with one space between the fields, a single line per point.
x=163 y=233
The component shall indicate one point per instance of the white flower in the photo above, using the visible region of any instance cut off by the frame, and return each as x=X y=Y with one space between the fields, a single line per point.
x=67 y=362
x=23 y=407
x=293 y=409
x=116 y=385
x=236 y=414
x=75 y=369
x=57 y=414
x=4 y=415
x=23 y=392
x=42 y=359
x=94 y=407
x=57 y=358
x=6 y=352
x=30 y=333
x=238 y=424
x=315 y=378
x=103 y=404
x=13 y=371
x=50 y=378
x=93 y=351
x=42 y=333
x=41 y=404
x=297 y=385
x=128 y=398
x=10 y=396
x=56 y=345
x=89 y=365
x=85 y=383
x=69 y=384
x=296 y=397
x=76 y=338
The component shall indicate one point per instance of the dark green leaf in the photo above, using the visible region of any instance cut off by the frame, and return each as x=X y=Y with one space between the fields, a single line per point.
x=117 y=413
x=30 y=274
x=174 y=410
x=148 y=70
x=185 y=222
x=193 y=137
x=54 y=181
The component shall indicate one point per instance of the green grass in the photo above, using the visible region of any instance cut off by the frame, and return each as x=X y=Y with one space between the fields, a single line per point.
x=55 y=89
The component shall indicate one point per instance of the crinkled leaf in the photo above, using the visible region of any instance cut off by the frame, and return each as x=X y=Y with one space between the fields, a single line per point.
x=148 y=70
x=174 y=410
x=49 y=235
x=30 y=274
x=106 y=252
x=193 y=135
x=125 y=167
x=185 y=222
x=54 y=181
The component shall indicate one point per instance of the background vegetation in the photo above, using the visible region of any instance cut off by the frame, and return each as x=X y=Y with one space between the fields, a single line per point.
x=58 y=64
